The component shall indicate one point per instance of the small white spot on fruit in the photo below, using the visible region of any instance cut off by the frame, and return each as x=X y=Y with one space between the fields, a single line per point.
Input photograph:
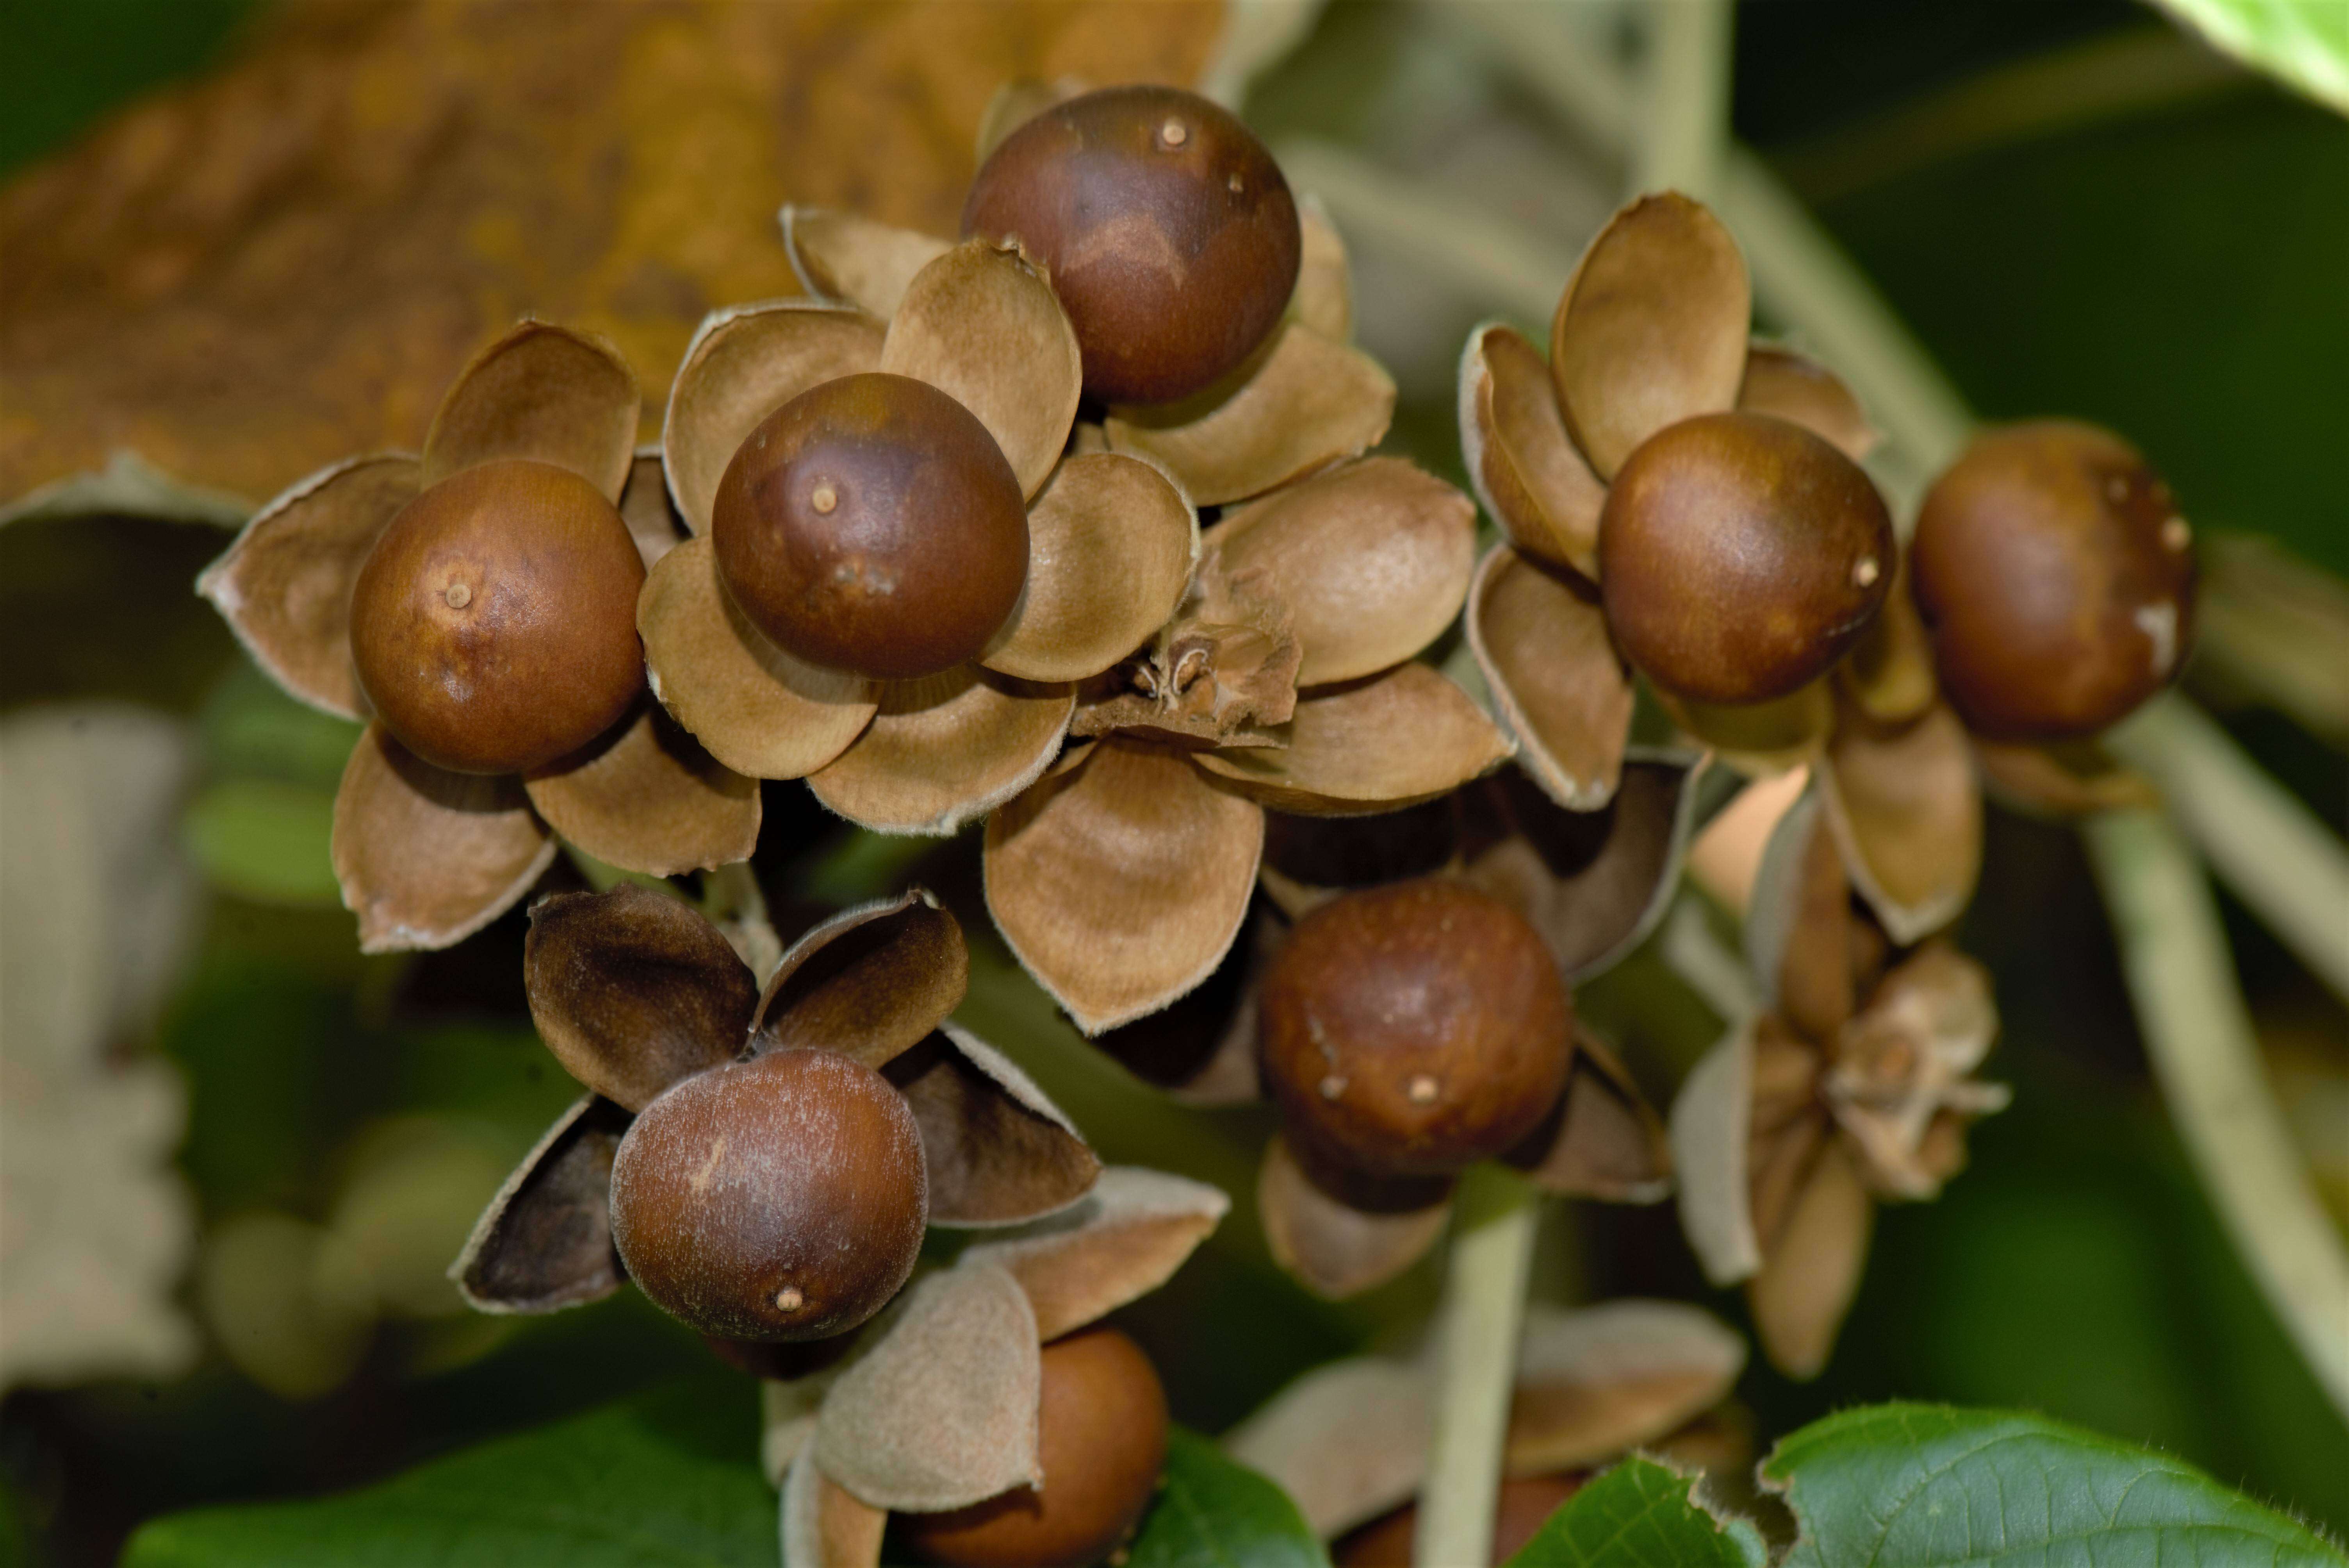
x=1174 y=133
x=823 y=498
x=2176 y=534
x=788 y=1298
x=1421 y=1090
x=1233 y=185
x=1331 y=1087
x=1864 y=571
x=458 y=595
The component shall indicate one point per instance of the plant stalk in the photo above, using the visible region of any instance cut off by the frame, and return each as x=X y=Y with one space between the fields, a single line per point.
x=2200 y=1037
x=1482 y=1315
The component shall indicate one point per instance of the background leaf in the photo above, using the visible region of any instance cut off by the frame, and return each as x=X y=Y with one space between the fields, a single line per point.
x=2303 y=42
x=1638 y=1515
x=660 y=1481
x=1212 y=1512
x=1918 y=1486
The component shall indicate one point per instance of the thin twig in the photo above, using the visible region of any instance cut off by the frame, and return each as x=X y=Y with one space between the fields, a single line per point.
x=1482 y=1315
x=2204 y=1052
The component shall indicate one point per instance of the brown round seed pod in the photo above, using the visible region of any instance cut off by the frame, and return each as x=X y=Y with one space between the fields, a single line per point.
x=493 y=626
x=1740 y=556
x=872 y=524
x=1414 y=1028
x=781 y=1198
x=1524 y=1505
x=1102 y=1441
x=1169 y=234
x=2057 y=577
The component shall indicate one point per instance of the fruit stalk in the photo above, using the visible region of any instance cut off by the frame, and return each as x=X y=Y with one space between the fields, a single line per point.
x=1483 y=1308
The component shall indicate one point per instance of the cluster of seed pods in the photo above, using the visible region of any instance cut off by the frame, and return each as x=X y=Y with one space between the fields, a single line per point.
x=911 y=575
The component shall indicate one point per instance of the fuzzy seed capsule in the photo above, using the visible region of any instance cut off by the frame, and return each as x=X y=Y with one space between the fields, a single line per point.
x=1414 y=1028
x=872 y=524
x=1101 y=1442
x=1169 y=234
x=783 y=1198
x=1740 y=556
x=493 y=626
x=2056 y=579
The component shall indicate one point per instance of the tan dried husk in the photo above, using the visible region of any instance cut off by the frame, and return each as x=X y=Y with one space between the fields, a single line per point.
x=558 y=1201
x=1373 y=746
x=1120 y=878
x=540 y=393
x=2063 y=781
x=425 y=857
x=943 y=751
x=850 y=260
x=247 y=277
x=1222 y=670
x=1330 y=1246
x=1788 y=384
x=1559 y=688
x=999 y=1151
x=651 y=801
x=826 y=1525
x=645 y=506
x=1906 y=808
x=1651 y=329
x=1124 y=1239
x=1519 y=457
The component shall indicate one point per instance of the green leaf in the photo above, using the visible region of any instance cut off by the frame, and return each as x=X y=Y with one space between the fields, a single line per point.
x=1921 y=1486
x=1215 y=1512
x=666 y=1480
x=1640 y=1516
x=266 y=840
x=2302 y=43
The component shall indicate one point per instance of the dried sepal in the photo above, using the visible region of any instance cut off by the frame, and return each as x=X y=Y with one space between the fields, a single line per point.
x=1805 y=1286
x=1307 y=860
x=1371 y=560
x=1223 y=670
x=1111 y=546
x=1371 y=746
x=838 y=256
x=1603 y=1141
x=981 y=324
x=1725 y=857
x=1759 y=737
x=1017 y=102
x=1896 y=1082
x=285 y=586
x=1594 y=883
x=758 y=710
x=1888 y=675
x=1324 y=301
x=824 y=1525
x=1346 y=1441
x=2068 y=779
x=869 y=982
x=1121 y=878
x=1907 y=810
x=1337 y=1247
x=1598 y=1381
x=1651 y=329
x=1797 y=907
x=652 y=800
x=999 y=1151
x=1308 y=402
x=1523 y=464
x=633 y=990
x=744 y=363
x=1793 y=386
x=942 y=751
x=646 y=506
x=545 y=1243
x=1559 y=688
x=1124 y=1239
x=1201 y=1048
x=425 y=857
x=941 y=1411
x=1709 y=1126
x=546 y=393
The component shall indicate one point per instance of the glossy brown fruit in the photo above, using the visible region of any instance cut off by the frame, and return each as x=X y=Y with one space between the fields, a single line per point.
x=494 y=625
x=1101 y=1439
x=1521 y=1507
x=1413 y=1028
x=2056 y=577
x=872 y=524
x=1740 y=556
x=781 y=1198
x=1170 y=235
